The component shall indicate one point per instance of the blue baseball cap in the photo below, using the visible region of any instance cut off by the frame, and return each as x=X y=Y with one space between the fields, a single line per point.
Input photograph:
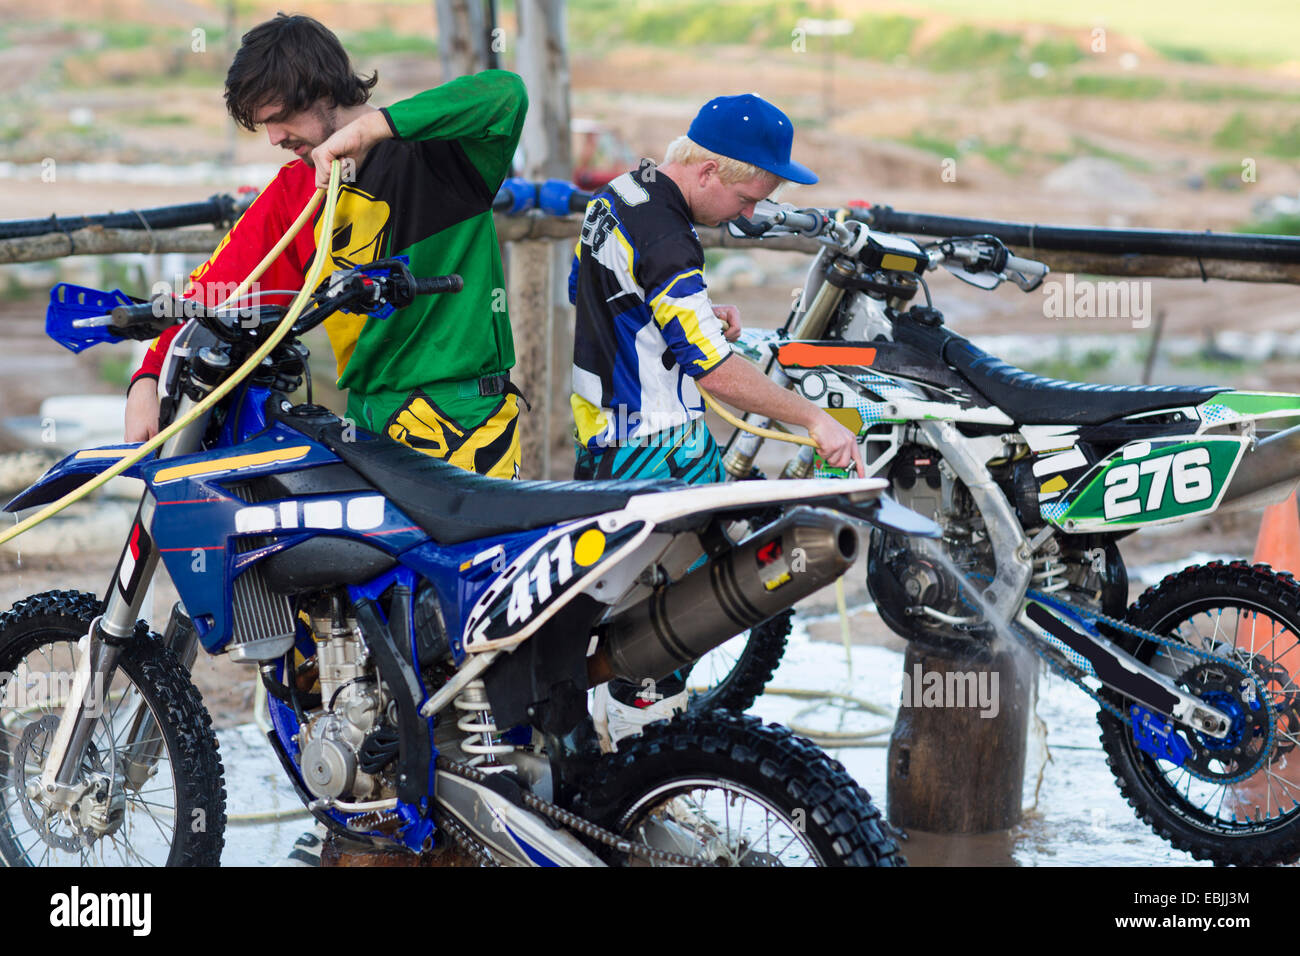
x=750 y=129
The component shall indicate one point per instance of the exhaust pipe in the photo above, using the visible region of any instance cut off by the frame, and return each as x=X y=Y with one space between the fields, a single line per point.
x=772 y=569
x=1268 y=473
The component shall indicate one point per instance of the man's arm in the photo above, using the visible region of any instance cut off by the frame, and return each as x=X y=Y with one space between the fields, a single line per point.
x=239 y=251
x=698 y=339
x=738 y=383
x=484 y=113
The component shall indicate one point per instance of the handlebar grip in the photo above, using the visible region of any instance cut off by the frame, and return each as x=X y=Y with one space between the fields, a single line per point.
x=802 y=221
x=434 y=285
x=125 y=315
x=1031 y=270
x=1027 y=266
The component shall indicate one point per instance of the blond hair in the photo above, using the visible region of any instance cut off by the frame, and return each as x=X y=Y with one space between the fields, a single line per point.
x=687 y=152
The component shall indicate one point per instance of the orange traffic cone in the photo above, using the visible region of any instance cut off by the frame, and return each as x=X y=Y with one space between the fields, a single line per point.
x=1278 y=543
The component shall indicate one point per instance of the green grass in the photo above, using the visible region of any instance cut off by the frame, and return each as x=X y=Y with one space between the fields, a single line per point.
x=1070 y=367
x=1225 y=175
x=967 y=47
x=933 y=144
x=1085 y=147
x=1117 y=87
x=1242 y=132
x=1015 y=83
x=881 y=37
x=1005 y=155
x=1284 y=225
x=127 y=36
x=1182 y=54
x=1055 y=52
x=380 y=41
x=116 y=370
x=1215 y=93
x=150 y=118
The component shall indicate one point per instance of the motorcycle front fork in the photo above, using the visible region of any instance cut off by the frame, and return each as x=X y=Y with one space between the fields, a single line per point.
x=100 y=649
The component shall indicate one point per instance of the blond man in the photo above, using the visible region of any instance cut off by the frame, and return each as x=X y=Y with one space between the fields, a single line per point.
x=646 y=331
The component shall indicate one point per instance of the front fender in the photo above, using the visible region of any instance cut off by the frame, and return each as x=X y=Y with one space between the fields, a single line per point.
x=73 y=472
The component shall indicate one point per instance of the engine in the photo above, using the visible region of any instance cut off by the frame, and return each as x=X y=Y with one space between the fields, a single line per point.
x=346 y=740
x=917 y=583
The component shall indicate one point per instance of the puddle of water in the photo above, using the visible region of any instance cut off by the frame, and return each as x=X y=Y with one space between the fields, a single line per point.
x=1080 y=818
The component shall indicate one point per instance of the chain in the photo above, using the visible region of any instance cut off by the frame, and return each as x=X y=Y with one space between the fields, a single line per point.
x=477 y=851
x=1076 y=676
x=565 y=818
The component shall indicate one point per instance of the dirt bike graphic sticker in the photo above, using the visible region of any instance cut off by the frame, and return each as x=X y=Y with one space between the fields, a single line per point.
x=542 y=579
x=1149 y=482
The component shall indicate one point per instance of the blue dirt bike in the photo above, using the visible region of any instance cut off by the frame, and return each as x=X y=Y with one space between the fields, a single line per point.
x=426 y=636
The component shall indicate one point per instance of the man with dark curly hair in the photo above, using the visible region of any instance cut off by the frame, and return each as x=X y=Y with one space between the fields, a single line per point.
x=420 y=177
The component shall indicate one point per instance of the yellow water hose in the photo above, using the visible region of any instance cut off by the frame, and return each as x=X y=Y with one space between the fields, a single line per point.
x=843 y=701
x=731 y=419
x=254 y=360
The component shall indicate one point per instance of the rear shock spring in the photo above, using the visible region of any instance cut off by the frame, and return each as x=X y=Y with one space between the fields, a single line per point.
x=482 y=740
x=1048 y=574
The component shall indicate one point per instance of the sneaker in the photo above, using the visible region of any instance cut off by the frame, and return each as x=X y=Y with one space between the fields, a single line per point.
x=616 y=720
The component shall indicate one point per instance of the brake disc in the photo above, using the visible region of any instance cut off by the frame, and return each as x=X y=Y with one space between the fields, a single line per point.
x=35 y=741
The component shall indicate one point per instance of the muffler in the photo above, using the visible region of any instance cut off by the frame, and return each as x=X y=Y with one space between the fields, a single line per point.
x=766 y=573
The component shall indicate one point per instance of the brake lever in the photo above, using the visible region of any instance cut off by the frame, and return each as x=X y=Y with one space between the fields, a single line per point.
x=740 y=226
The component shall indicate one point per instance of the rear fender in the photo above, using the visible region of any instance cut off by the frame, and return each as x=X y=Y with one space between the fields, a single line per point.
x=860 y=498
x=1228 y=407
x=73 y=472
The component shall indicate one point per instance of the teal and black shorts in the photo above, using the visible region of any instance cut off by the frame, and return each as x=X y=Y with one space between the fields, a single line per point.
x=686 y=452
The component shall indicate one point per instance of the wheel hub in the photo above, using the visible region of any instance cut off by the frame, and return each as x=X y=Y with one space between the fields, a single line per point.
x=91 y=813
x=1242 y=750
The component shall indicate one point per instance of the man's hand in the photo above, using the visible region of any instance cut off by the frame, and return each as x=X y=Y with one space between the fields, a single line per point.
x=736 y=381
x=837 y=444
x=351 y=142
x=142 y=410
x=730 y=316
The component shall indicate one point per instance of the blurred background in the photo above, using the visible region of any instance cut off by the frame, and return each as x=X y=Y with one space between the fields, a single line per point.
x=1159 y=114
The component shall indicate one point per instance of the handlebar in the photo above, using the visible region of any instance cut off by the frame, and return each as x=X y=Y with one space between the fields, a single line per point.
x=365 y=290
x=124 y=316
x=800 y=220
x=1026 y=273
x=436 y=285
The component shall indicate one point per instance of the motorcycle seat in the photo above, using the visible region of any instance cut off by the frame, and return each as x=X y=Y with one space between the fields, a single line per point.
x=454 y=505
x=1031 y=399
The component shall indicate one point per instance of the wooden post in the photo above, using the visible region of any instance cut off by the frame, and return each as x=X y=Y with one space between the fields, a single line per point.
x=528 y=290
x=957 y=753
x=463 y=41
x=1149 y=365
x=542 y=62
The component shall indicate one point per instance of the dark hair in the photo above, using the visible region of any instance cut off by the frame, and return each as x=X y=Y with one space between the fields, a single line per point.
x=293 y=61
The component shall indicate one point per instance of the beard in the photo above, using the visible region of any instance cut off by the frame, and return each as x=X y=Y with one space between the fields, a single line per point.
x=325 y=117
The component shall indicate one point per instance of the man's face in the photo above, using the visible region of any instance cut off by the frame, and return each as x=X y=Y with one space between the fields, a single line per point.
x=716 y=202
x=299 y=132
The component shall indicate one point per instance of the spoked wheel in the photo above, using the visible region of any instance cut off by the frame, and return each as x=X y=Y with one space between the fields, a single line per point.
x=149 y=788
x=734 y=674
x=1233 y=800
x=728 y=791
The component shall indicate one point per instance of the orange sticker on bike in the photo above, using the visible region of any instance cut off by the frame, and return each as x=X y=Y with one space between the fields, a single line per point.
x=807 y=355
